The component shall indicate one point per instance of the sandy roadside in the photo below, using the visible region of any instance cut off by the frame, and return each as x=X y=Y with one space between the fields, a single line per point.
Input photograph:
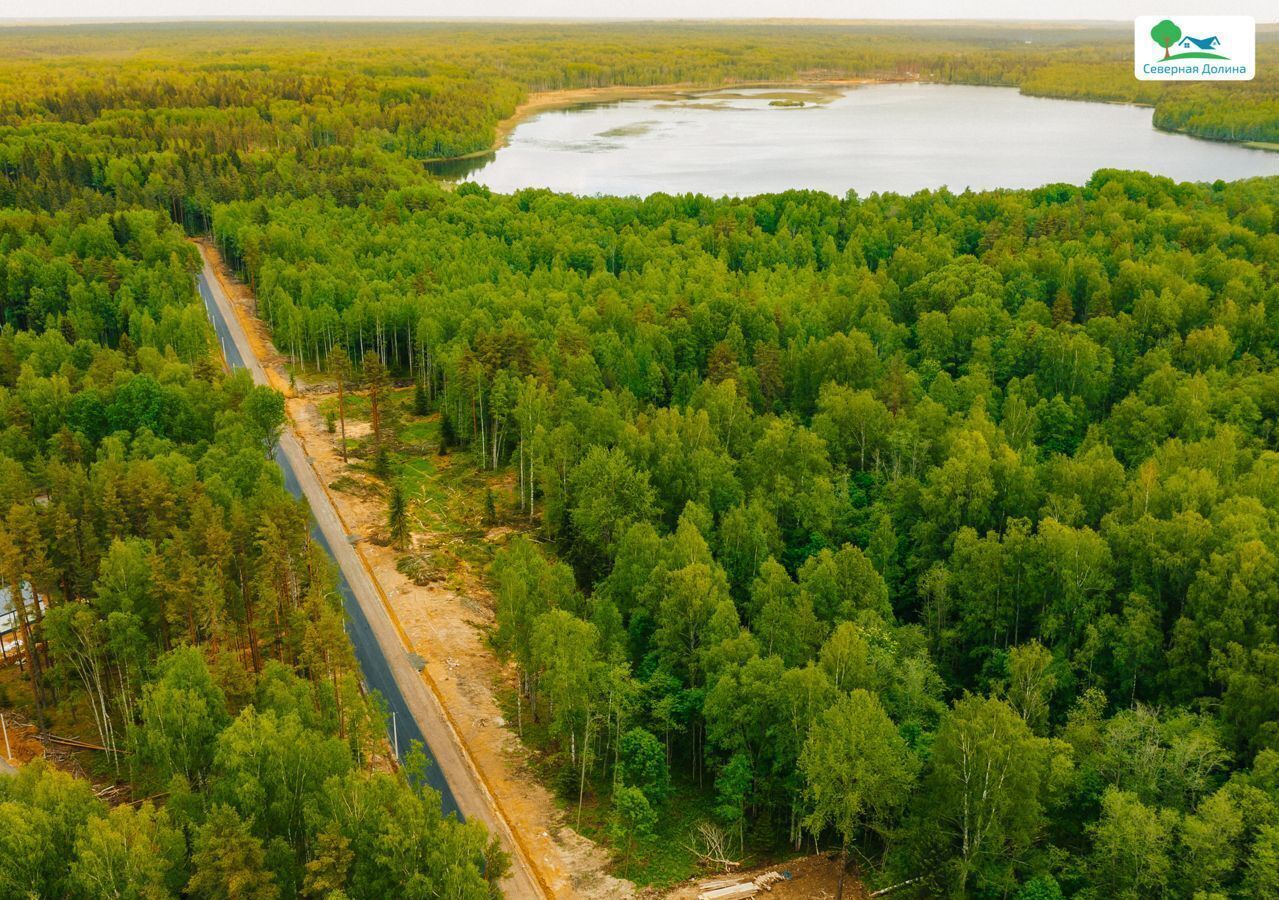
x=245 y=306
x=447 y=627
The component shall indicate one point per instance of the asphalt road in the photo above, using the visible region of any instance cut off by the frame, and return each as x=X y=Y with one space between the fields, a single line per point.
x=383 y=658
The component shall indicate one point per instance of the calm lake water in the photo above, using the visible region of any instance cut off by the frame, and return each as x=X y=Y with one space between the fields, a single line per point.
x=899 y=137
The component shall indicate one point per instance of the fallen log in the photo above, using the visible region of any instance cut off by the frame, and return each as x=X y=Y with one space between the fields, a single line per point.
x=892 y=887
x=732 y=892
x=72 y=742
x=714 y=884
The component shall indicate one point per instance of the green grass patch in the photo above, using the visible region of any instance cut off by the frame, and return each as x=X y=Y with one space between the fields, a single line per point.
x=420 y=431
x=660 y=860
x=418 y=476
x=357 y=407
x=664 y=858
x=445 y=493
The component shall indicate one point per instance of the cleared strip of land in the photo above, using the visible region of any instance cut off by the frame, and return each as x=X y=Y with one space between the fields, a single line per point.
x=463 y=779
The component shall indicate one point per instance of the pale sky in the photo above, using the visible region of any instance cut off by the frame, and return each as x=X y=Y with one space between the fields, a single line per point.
x=1262 y=10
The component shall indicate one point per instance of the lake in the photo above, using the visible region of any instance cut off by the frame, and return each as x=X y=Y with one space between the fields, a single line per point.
x=885 y=137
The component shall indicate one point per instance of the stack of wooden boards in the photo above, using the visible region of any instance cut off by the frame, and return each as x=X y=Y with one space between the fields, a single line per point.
x=735 y=889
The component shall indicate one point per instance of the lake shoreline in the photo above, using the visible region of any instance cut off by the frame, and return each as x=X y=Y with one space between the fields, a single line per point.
x=538 y=102
x=568 y=98
x=595 y=142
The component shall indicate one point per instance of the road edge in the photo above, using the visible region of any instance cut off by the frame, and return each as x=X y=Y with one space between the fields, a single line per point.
x=532 y=884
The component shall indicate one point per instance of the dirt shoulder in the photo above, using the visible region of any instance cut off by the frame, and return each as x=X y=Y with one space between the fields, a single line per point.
x=446 y=617
x=446 y=623
x=245 y=306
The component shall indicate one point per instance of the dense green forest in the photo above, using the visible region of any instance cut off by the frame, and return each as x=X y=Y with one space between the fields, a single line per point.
x=172 y=607
x=991 y=476
x=939 y=529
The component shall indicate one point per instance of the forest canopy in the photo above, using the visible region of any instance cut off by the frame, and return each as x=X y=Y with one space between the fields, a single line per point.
x=941 y=530
x=989 y=465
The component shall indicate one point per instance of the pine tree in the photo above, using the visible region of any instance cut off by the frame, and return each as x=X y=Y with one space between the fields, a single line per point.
x=1099 y=305
x=448 y=434
x=229 y=860
x=1063 y=309
x=397 y=519
x=421 y=405
x=381 y=462
x=130 y=350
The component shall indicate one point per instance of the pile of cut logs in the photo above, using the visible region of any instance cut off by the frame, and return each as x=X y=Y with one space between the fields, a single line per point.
x=736 y=889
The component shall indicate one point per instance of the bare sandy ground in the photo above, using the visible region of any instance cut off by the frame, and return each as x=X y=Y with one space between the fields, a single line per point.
x=811 y=878
x=446 y=624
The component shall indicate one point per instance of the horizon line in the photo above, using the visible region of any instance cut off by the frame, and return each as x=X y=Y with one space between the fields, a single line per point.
x=1266 y=27
x=131 y=20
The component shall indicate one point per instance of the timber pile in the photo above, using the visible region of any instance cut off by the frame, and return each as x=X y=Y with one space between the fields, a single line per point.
x=769 y=878
x=733 y=889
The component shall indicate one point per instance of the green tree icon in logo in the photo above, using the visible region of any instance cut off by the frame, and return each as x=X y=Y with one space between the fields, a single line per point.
x=1166 y=33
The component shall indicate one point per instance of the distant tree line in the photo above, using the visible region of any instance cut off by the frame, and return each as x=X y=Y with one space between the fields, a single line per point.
x=162 y=116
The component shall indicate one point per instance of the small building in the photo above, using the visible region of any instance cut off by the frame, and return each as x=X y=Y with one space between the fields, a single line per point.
x=8 y=614
x=10 y=639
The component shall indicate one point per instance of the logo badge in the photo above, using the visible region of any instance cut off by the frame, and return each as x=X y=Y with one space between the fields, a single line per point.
x=1194 y=48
